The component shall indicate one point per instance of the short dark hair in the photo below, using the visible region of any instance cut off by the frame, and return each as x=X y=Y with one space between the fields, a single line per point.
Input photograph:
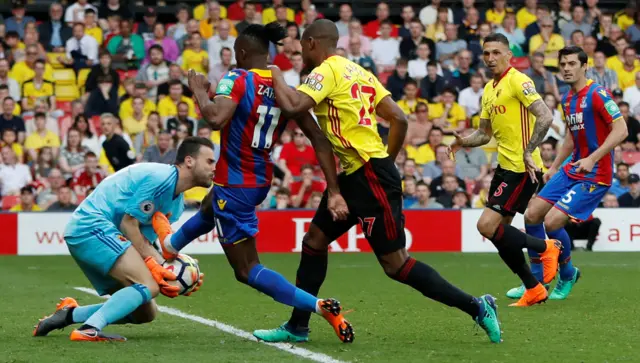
x=436 y=128
x=283 y=191
x=40 y=115
x=90 y=154
x=411 y=81
x=156 y=46
x=622 y=164
x=422 y=183
x=296 y=53
x=623 y=104
x=497 y=37
x=572 y=49
x=449 y=89
x=227 y=49
x=306 y=166
x=386 y=22
x=4 y=86
x=27 y=189
x=90 y=11
x=174 y=82
x=40 y=61
x=432 y=64
x=191 y=147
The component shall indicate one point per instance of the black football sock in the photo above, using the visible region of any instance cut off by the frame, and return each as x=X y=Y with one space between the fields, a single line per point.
x=311 y=274
x=428 y=281
x=520 y=240
x=511 y=254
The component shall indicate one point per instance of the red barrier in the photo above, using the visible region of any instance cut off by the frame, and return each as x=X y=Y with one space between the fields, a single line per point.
x=9 y=241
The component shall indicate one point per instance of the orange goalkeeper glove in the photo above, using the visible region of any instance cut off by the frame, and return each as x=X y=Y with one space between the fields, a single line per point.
x=161 y=275
x=198 y=285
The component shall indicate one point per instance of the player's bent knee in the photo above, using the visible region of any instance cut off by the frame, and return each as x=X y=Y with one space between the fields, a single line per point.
x=488 y=223
x=393 y=262
x=316 y=239
x=555 y=220
x=145 y=313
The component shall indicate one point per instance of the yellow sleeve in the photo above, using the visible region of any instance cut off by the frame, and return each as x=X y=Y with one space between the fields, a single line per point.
x=48 y=72
x=435 y=110
x=269 y=15
x=233 y=31
x=291 y=15
x=199 y=11
x=16 y=208
x=192 y=108
x=104 y=163
x=223 y=12
x=534 y=43
x=185 y=59
x=55 y=140
x=30 y=142
x=320 y=83
x=17 y=110
x=126 y=109
x=523 y=89
x=149 y=107
x=484 y=110
x=381 y=91
x=557 y=44
x=163 y=109
x=458 y=114
x=521 y=19
x=404 y=107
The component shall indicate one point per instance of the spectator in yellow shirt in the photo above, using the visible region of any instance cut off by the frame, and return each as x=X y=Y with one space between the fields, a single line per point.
x=137 y=123
x=10 y=139
x=495 y=15
x=27 y=201
x=4 y=93
x=425 y=153
x=624 y=18
x=194 y=57
x=41 y=138
x=410 y=100
x=91 y=27
x=448 y=114
x=627 y=75
x=126 y=107
x=527 y=15
x=547 y=42
x=37 y=88
x=208 y=25
x=200 y=11
x=168 y=106
x=616 y=62
x=269 y=14
x=24 y=70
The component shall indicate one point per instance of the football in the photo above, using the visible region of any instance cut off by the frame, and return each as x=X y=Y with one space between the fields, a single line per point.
x=187 y=270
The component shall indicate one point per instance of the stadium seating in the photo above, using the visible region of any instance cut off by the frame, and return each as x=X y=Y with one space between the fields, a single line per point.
x=67 y=91
x=64 y=76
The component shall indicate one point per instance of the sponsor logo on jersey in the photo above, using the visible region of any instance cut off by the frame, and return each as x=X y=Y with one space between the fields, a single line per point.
x=314 y=81
x=222 y=203
x=224 y=87
x=603 y=93
x=147 y=207
x=528 y=88
x=497 y=109
x=575 y=121
x=611 y=107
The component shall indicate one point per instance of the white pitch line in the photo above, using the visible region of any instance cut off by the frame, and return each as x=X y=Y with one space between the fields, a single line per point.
x=304 y=353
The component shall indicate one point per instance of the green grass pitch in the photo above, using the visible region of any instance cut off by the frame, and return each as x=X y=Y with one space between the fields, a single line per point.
x=598 y=323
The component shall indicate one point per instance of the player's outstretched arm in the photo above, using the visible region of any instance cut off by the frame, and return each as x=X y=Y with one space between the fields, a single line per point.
x=544 y=119
x=290 y=100
x=392 y=113
x=324 y=152
x=479 y=137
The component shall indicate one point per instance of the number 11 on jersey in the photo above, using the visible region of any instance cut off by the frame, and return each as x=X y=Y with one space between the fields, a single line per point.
x=263 y=111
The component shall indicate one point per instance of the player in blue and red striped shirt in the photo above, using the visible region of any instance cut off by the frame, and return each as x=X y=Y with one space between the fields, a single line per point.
x=594 y=128
x=246 y=111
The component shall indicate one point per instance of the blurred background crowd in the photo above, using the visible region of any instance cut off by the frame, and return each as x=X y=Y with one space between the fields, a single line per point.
x=90 y=87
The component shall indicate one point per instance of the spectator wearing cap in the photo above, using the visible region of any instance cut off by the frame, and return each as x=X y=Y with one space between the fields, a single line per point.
x=155 y=72
x=75 y=12
x=127 y=49
x=447 y=50
x=103 y=68
x=356 y=55
x=355 y=30
x=161 y=152
x=19 y=20
x=81 y=49
x=169 y=47
x=345 y=14
x=208 y=26
x=27 y=201
x=41 y=138
x=600 y=74
x=168 y=106
x=631 y=199
x=182 y=117
x=175 y=73
x=101 y=100
x=222 y=39
x=88 y=176
x=429 y=13
x=423 y=198
x=9 y=121
x=399 y=78
x=146 y=28
x=13 y=174
x=126 y=106
x=25 y=70
x=54 y=32
x=116 y=152
x=409 y=45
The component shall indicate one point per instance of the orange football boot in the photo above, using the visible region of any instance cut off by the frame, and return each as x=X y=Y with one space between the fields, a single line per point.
x=57 y=320
x=330 y=309
x=162 y=227
x=532 y=296
x=549 y=259
x=93 y=335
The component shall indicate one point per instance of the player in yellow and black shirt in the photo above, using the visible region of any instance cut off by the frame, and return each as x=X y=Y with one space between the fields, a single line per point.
x=515 y=114
x=346 y=100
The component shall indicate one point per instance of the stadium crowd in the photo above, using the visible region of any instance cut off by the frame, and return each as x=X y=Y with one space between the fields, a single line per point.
x=89 y=91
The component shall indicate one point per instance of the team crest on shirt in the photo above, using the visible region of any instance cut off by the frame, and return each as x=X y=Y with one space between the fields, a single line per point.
x=147 y=207
x=603 y=93
x=611 y=107
x=122 y=238
x=583 y=104
x=314 y=80
x=222 y=203
x=528 y=88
